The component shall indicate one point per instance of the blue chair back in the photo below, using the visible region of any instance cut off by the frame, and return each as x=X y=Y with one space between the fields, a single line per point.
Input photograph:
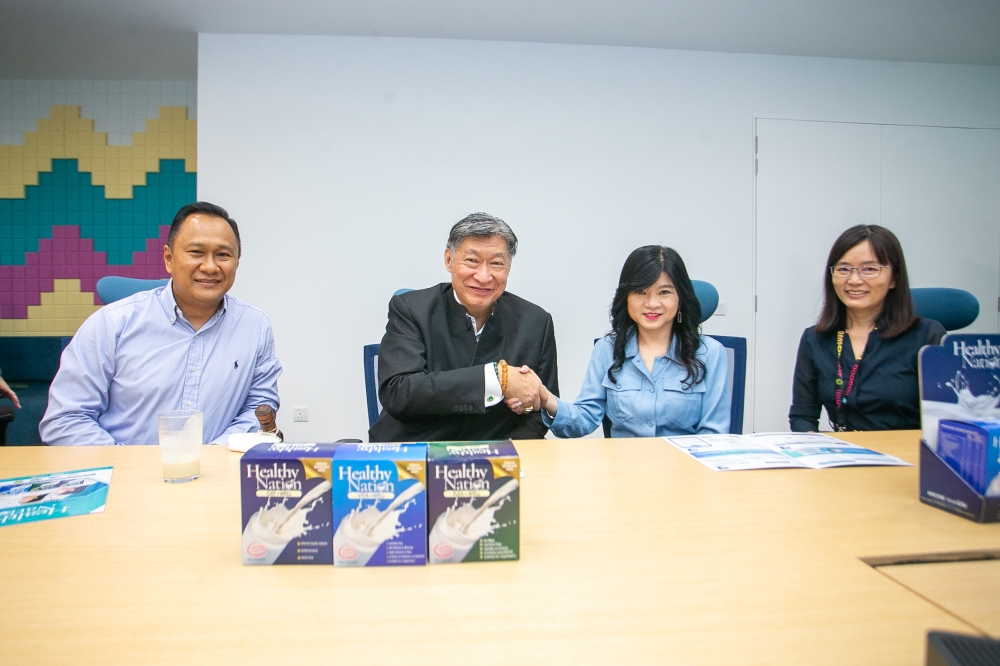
x=371 y=383
x=371 y=375
x=708 y=298
x=954 y=308
x=113 y=288
x=736 y=363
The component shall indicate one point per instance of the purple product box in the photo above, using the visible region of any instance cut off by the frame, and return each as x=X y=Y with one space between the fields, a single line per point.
x=942 y=487
x=380 y=505
x=473 y=502
x=972 y=449
x=286 y=492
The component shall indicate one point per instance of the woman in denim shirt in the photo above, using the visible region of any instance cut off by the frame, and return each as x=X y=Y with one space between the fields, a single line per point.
x=653 y=374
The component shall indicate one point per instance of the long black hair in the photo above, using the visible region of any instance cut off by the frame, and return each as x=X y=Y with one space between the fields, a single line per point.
x=641 y=270
x=897 y=314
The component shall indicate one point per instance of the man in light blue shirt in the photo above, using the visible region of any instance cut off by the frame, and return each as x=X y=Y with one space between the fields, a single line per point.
x=187 y=345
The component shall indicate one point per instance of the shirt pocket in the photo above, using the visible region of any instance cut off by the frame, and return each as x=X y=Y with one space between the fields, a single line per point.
x=681 y=407
x=622 y=395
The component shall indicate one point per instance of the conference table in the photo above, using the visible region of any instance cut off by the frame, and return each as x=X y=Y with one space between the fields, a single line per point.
x=632 y=552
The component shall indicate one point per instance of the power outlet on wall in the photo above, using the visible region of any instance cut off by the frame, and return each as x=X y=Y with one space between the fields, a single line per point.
x=300 y=414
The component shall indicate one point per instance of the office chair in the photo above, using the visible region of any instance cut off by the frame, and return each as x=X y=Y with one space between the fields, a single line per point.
x=6 y=416
x=113 y=288
x=371 y=375
x=371 y=383
x=954 y=308
x=708 y=298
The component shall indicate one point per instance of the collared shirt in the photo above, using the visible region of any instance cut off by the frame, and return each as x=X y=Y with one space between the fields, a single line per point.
x=493 y=392
x=644 y=403
x=138 y=357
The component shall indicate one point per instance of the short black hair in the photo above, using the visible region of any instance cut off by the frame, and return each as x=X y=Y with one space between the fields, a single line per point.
x=208 y=209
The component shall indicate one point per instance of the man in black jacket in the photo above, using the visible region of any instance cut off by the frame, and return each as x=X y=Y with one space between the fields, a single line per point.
x=441 y=374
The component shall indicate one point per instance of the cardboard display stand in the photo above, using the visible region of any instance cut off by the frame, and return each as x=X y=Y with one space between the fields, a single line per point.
x=942 y=487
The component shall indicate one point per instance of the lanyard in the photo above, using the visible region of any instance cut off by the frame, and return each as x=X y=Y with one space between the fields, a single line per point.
x=840 y=393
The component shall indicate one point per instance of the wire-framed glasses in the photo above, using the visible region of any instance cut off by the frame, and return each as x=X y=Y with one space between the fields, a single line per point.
x=866 y=272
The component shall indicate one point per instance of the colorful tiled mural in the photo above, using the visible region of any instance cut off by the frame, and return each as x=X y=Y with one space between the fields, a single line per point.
x=74 y=209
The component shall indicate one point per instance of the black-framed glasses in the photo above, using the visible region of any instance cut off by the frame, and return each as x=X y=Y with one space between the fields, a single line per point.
x=866 y=272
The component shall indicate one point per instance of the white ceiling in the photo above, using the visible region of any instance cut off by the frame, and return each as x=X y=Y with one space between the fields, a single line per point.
x=156 y=39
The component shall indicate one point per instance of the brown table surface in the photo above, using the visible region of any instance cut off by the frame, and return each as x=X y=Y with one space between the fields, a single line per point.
x=631 y=552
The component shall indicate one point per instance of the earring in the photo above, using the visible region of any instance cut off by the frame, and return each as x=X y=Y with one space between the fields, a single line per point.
x=679 y=317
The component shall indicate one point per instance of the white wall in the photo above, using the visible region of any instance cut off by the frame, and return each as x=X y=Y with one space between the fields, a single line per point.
x=346 y=160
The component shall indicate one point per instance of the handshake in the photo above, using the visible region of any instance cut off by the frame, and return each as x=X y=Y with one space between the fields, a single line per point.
x=523 y=391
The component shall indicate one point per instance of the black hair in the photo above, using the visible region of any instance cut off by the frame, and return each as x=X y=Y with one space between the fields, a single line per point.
x=641 y=270
x=208 y=209
x=897 y=315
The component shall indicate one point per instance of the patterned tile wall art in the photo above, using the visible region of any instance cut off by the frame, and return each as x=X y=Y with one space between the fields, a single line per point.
x=78 y=201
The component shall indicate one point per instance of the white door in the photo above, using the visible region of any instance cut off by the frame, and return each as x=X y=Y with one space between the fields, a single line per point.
x=938 y=189
x=813 y=181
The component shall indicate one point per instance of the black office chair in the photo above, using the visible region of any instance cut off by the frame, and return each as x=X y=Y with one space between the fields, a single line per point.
x=6 y=416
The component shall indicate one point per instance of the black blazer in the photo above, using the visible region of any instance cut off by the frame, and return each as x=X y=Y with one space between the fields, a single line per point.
x=886 y=395
x=430 y=368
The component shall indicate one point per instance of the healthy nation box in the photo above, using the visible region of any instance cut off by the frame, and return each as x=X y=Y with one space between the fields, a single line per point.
x=473 y=501
x=380 y=505
x=959 y=402
x=287 y=507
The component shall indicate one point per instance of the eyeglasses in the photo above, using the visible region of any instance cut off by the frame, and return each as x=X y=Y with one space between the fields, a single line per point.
x=866 y=272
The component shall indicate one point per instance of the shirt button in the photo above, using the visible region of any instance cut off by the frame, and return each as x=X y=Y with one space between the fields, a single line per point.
x=651 y=390
x=649 y=424
x=188 y=403
x=663 y=360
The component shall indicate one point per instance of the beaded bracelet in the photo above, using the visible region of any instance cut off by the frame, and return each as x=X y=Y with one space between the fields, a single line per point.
x=503 y=375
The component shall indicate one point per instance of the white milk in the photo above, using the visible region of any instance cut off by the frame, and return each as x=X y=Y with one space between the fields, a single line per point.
x=360 y=533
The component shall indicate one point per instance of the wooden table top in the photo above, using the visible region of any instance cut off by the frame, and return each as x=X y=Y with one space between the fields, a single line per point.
x=630 y=551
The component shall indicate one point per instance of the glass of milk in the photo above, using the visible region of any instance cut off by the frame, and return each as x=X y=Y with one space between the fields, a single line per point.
x=180 y=445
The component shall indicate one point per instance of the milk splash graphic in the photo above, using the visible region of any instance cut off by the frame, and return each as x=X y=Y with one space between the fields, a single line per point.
x=970 y=407
x=275 y=526
x=363 y=530
x=985 y=406
x=458 y=529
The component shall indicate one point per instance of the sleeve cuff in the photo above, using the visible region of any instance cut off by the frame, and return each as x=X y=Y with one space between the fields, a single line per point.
x=493 y=394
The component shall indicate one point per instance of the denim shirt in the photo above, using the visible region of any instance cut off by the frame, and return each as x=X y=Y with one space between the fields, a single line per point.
x=641 y=403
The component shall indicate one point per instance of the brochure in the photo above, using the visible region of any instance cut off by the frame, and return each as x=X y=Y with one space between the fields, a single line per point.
x=45 y=496
x=770 y=450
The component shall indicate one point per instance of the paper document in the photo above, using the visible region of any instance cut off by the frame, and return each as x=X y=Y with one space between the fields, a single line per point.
x=766 y=450
x=45 y=496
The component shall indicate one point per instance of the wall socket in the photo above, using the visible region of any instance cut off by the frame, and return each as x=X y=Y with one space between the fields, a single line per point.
x=300 y=414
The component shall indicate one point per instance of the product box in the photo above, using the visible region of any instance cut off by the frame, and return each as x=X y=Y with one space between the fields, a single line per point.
x=972 y=449
x=473 y=501
x=380 y=505
x=959 y=381
x=942 y=487
x=287 y=503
